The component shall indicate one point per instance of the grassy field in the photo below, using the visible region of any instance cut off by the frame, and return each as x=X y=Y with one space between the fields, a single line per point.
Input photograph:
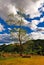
x=34 y=60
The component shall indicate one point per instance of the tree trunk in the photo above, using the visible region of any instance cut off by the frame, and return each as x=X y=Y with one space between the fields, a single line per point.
x=21 y=47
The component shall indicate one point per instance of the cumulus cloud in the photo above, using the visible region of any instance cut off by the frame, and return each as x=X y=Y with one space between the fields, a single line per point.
x=11 y=6
x=3 y=8
x=36 y=35
x=33 y=24
x=30 y=7
x=12 y=9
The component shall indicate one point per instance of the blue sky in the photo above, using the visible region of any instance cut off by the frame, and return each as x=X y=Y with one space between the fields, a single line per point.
x=6 y=27
x=33 y=17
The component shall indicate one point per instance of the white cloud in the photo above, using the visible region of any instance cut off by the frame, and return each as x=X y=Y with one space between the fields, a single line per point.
x=9 y=28
x=43 y=9
x=30 y=6
x=36 y=35
x=33 y=24
x=5 y=35
x=33 y=9
x=40 y=29
x=1 y=28
x=42 y=20
x=3 y=8
x=25 y=22
x=12 y=9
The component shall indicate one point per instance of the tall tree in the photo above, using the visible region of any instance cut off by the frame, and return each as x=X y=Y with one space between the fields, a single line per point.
x=19 y=32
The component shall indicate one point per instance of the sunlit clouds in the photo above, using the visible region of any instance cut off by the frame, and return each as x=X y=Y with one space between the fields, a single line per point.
x=33 y=8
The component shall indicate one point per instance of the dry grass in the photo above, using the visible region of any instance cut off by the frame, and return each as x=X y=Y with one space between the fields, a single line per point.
x=34 y=60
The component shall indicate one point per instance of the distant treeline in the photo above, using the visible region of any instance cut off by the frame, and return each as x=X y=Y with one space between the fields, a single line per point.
x=30 y=47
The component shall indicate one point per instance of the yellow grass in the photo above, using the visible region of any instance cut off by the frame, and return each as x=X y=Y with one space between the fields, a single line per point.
x=34 y=60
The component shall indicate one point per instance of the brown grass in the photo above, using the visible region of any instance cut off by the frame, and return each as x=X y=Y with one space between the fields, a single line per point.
x=34 y=60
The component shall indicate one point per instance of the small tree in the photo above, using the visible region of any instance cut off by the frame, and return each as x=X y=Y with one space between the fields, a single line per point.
x=19 y=32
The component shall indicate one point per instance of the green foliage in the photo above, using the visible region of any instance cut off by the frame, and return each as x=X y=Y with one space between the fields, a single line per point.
x=30 y=47
x=34 y=47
